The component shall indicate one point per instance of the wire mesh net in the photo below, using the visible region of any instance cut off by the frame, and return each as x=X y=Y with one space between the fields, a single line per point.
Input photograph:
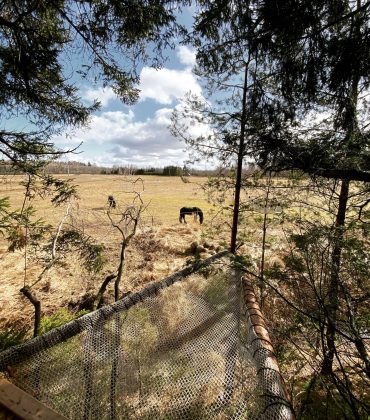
x=182 y=353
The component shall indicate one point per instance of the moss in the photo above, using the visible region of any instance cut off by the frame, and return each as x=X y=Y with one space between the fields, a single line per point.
x=59 y=318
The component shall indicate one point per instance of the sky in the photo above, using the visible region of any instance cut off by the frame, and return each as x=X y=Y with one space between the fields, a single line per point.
x=136 y=135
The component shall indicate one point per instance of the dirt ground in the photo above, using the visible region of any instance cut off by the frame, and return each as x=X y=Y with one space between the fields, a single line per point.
x=159 y=248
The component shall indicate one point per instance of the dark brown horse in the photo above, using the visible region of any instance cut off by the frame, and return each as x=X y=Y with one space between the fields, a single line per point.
x=196 y=211
x=111 y=202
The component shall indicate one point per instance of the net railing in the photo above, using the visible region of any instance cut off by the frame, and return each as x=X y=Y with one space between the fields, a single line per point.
x=190 y=351
x=274 y=401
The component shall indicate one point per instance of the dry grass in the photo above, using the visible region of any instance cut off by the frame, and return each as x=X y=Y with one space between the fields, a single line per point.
x=164 y=194
x=156 y=251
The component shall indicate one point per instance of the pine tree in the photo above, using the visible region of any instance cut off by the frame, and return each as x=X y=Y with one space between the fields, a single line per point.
x=43 y=43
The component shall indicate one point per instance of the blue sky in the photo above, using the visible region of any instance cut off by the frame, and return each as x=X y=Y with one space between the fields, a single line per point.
x=137 y=135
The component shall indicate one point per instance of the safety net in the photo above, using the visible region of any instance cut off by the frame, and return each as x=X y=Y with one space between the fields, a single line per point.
x=188 y=351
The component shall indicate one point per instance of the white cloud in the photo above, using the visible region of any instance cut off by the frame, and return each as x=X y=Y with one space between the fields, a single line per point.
x=103 y=95
x=166 y=85
x=127 y=141
x=102 y=127
x=117 y=137
x=194 y=126
x=186 y=55
x=121 y=158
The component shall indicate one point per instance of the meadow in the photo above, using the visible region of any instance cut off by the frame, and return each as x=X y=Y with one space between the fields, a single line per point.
x=160 y=246
x=165 y=195
x=157 y=250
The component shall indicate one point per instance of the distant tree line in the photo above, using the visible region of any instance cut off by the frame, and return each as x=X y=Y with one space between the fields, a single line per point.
x=75 y=167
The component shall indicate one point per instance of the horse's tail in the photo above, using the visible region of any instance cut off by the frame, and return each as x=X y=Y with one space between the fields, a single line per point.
x=181 y=215
x=199 y=211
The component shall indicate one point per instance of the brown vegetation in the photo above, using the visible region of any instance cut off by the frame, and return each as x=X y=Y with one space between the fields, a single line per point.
x=157 y=250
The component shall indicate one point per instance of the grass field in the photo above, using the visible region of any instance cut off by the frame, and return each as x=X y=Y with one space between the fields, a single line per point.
x=162 y=246
x=157 y=250
x=165 y=195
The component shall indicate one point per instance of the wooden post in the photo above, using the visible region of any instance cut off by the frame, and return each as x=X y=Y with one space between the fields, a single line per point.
x=22 y=405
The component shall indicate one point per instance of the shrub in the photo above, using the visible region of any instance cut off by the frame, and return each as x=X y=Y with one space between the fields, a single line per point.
x=11 y=337
x=59 y=318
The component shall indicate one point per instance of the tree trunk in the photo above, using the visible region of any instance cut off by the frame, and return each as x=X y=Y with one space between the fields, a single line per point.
x=120 y=271
x=333 y=302
x=26 y=290
x=264 y=229
x=238 y=181
x=99 y=297
x=332 y=297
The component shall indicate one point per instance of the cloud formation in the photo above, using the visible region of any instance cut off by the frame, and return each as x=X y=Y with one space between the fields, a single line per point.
x=129 y=141
x=126 y=141
x=103 y=95
x=166 y=86
x=186 y=55
x=122 y=137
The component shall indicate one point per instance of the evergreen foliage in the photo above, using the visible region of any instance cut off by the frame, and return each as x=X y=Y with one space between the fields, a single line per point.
x=38 y=41
x=320 y=53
